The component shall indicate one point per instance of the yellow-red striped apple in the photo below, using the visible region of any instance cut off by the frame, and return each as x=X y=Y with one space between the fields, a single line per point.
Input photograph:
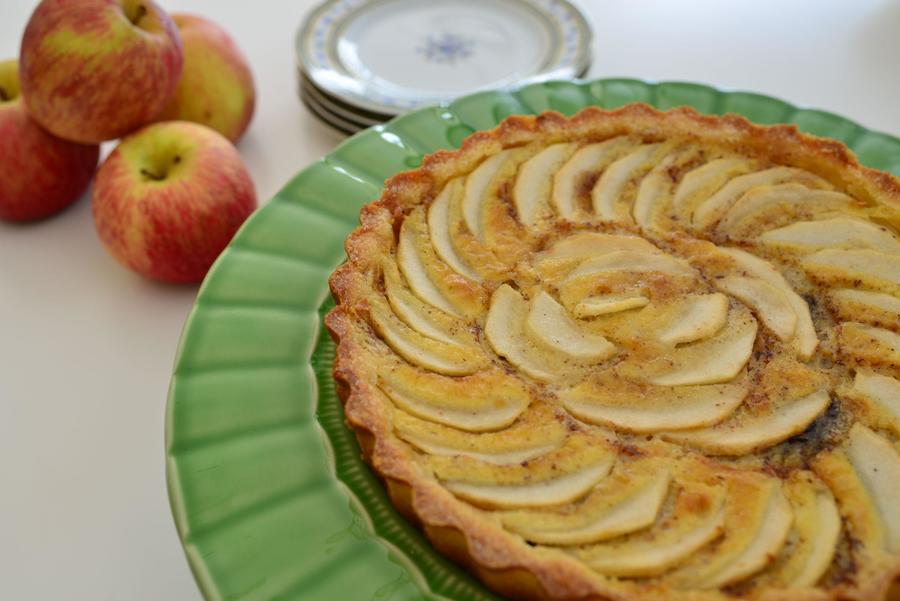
x=94 y=70
x=40 y=174
x=169 y=199
x=216 y=86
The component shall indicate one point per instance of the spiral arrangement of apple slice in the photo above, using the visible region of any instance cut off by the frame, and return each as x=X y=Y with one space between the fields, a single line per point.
x=605 y=346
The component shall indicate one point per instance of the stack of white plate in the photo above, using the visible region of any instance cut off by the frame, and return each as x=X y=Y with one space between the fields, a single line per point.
x=361 y=62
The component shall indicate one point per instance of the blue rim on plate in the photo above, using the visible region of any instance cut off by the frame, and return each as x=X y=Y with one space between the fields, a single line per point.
x=268 y=491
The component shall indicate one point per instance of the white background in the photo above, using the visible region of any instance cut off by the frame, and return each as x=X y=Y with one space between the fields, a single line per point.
x=86 y=347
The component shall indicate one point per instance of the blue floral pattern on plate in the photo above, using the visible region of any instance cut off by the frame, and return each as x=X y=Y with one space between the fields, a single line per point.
x=446 y=48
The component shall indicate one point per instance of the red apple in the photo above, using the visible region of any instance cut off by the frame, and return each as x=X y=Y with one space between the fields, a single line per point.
x=94 y=70
x=169 y=199
x=40 y=174
x=216 y=86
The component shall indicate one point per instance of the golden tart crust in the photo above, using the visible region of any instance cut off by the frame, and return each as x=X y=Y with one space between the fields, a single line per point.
x=634 y=355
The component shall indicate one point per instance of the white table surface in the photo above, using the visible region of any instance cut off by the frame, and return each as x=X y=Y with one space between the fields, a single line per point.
x=86 y=347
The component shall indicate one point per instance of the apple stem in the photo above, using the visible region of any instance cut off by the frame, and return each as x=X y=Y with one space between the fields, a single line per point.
x=141 y=13
x=153 y=176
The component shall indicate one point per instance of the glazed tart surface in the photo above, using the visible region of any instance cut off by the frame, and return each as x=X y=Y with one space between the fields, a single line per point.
x=635 y=355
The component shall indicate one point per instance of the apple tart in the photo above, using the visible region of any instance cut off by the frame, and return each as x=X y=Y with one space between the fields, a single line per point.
x=635 y=355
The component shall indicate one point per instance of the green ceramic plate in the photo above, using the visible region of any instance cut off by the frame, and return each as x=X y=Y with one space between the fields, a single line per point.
x=269 y=493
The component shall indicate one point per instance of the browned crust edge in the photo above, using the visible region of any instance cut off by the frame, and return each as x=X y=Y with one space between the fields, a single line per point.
x=506 y=564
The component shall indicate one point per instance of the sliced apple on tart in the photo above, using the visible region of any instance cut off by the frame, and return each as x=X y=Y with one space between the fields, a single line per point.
x=535 y=183
x=815 y=533
x=611 y=400
x=446 y=358
x=836 y=232
x=628 y=500
x=608 y=197
x=758 y=520
x=697 y=518
x=709 y=211
x=439 y=228
x=594 y=306
x=875 y=308
x=701 y=183
x=879 y=397
x=864 y=475
x=863 y=344
x=769 y=303
x=767 y=207
x=535 y=432
x=485 y=401
x=805 y=339
x=549 y=325
x=573 y=180
x=712 y=360
x=431 y=279
x=692 y=318
x=786 y=398
x=876 y=270
x=561 y=476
